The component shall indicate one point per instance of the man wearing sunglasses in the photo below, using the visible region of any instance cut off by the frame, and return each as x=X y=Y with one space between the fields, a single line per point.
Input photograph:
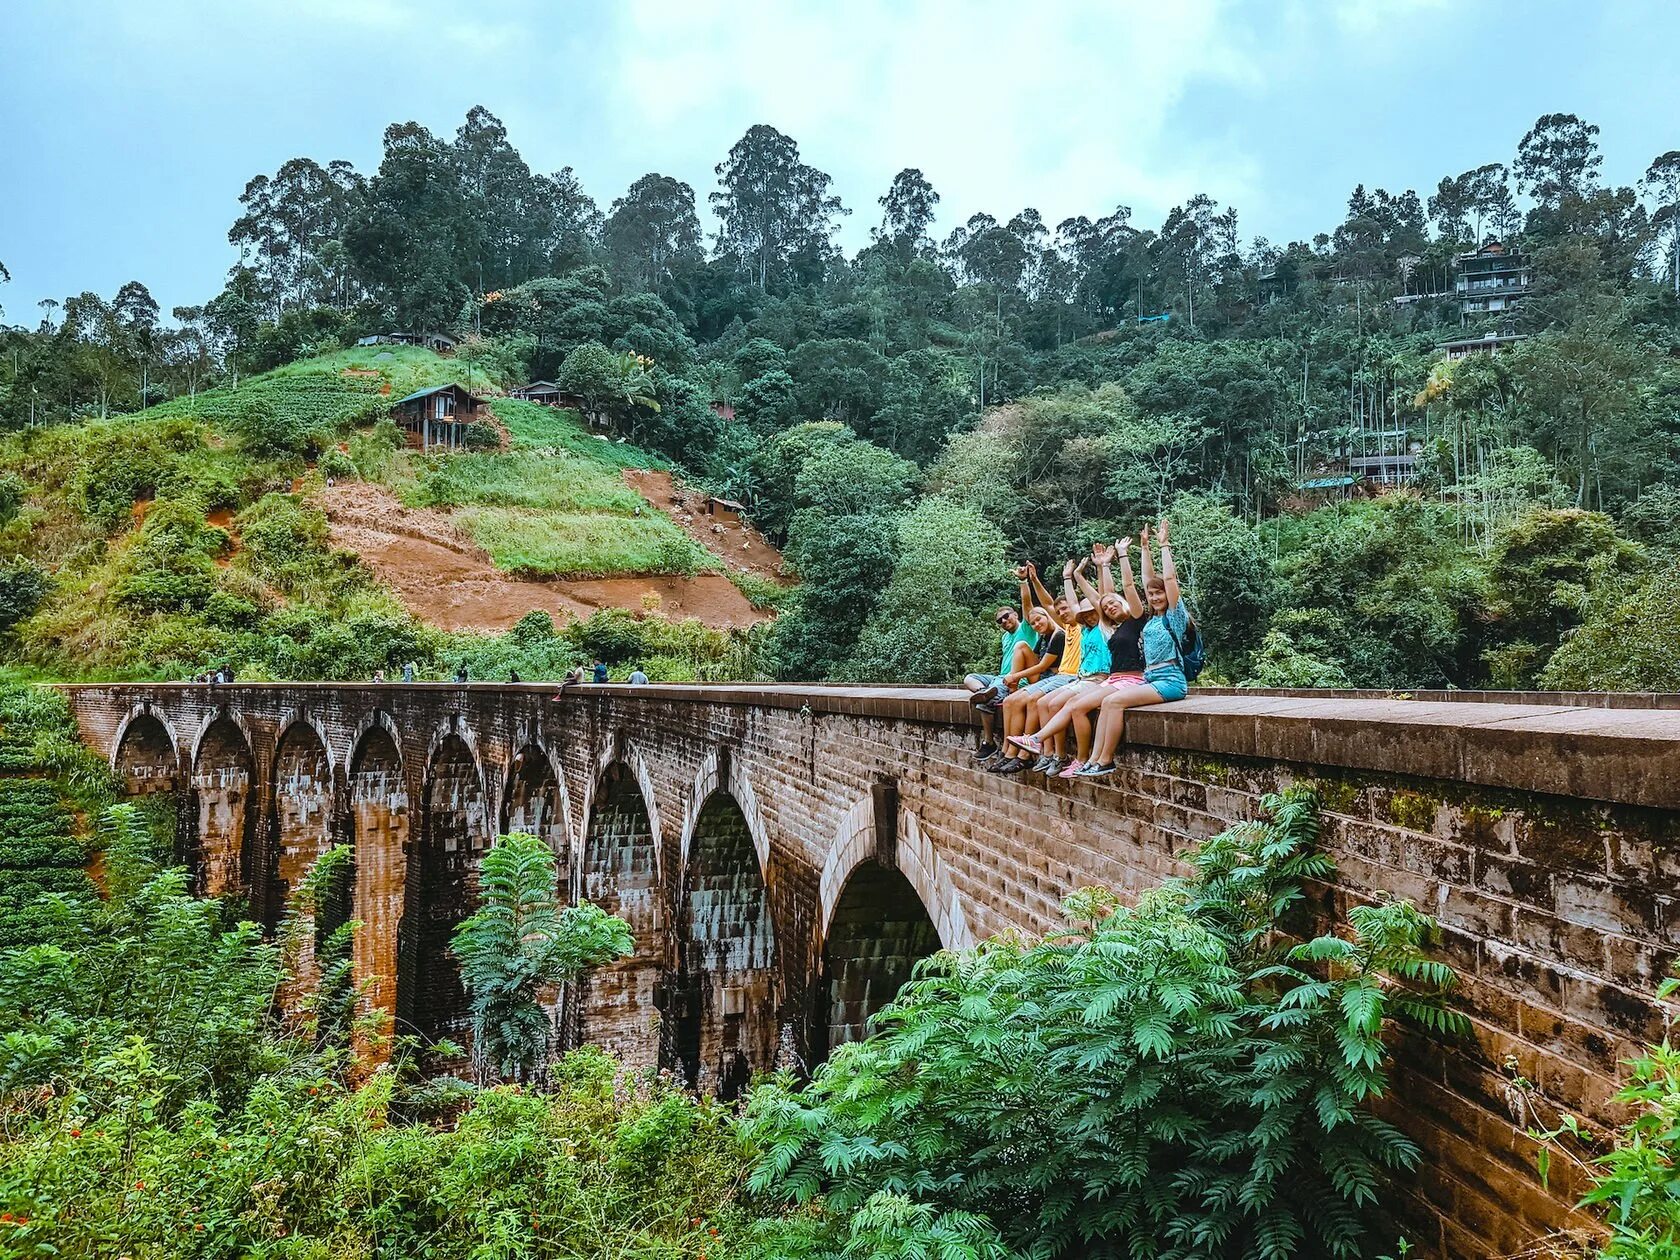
x=1018 y=641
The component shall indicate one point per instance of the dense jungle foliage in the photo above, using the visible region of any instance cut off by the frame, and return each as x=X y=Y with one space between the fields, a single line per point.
x=904 y=421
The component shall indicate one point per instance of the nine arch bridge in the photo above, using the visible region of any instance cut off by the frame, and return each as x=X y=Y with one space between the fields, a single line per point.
x=784 y=855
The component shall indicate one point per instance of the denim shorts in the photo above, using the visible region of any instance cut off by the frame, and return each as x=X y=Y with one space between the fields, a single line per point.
x=1169 y=680
x=992 y=682
x=1046 y=685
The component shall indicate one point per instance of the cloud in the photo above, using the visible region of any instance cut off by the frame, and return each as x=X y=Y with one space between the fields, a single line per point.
x=1068 y=106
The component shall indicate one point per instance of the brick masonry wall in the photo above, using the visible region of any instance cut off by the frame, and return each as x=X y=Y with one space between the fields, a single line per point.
x=1545 y=839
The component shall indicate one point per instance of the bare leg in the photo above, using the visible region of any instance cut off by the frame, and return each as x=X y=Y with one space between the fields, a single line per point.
x=1112 y=719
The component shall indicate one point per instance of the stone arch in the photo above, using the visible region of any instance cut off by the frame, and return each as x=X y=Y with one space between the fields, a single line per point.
x=223 y=774
x=877 y=922
x=626 y=751
x=442 y=885
x=618 y=870
x=379 y=839
x=146 y=752
x=301 y=812
x=914 y=857
x=722 y=772
x=534 y=800
x=726 y=1022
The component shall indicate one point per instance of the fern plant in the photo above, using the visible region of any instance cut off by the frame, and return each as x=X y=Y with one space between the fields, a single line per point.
x=1170 y=1081
x=520 y=942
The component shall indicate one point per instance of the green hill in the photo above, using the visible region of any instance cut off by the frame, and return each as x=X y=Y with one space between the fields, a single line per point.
x=190 y=534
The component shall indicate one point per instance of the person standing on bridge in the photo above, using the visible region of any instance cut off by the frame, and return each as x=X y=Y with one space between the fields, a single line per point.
x=408 y=672
x=638 y=678
x=599 y=671
x=1166 y=639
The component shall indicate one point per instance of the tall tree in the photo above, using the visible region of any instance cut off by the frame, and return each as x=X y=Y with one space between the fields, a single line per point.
x=513 y=209
x=291 y=227
x=907 y=213
x=775 y=210
x=414 y=239
x=1558 y=158
x=653 y=233
x=1662 y=185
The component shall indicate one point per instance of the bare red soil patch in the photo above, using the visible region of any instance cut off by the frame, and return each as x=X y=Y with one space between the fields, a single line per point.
x=446 y=580
x=737 y=543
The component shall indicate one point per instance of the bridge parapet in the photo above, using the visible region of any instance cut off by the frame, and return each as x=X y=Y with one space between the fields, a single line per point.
x=786 y=852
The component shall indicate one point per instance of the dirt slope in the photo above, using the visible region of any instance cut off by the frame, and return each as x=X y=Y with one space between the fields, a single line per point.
x=740 y=545
x=446 y=580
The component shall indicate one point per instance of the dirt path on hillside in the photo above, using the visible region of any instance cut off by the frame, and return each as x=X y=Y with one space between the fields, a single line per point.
x=738 y=544
x=446 y=580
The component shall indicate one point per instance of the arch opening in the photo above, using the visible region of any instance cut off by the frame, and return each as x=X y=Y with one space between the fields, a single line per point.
x=532 y=801
x=443 y=889
x=302 y=825
x=145 y=759
x=726 y=1023
x=219 y=857
x=379 y=830
x=878 y=933
x=620 y=873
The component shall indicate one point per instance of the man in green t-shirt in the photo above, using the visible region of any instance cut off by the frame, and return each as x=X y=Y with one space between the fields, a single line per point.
x=1018 y=643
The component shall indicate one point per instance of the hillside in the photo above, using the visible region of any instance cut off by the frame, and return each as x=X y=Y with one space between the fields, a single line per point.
x=204 y=531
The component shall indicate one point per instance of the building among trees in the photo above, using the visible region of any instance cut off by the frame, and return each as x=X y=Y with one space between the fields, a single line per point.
x=1491 y=279
x=438 y=416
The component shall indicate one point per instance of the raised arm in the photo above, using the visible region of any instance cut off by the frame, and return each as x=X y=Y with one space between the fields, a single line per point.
x=1103 y=555
x=1040 y=593
x=1128 y=588
x=1021 y=571
x=1068 y=592
x=1085 y=588
x=1145 y=557
x=1169 y=571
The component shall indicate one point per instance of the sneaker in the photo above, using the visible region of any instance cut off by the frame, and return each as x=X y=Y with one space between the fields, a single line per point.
x=1072 y=768
x=1028 y=742
x=985 y=752
x=1040 y=765
x=1096 y=771
x=1009 y=765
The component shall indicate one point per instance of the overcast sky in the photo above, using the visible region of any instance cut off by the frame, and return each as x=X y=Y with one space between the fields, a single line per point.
x=130 y=128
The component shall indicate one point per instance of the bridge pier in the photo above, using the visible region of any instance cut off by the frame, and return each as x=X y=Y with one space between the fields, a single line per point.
x=785 y=854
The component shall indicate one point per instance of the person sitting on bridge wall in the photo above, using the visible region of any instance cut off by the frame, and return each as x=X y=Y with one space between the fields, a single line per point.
x=1167 y=639
x=1019 y=644
x=1094 y=630
x=1021 y=711
x=1122 y=622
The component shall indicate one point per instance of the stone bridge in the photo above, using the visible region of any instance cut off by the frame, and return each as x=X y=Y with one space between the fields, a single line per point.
x=784 y=855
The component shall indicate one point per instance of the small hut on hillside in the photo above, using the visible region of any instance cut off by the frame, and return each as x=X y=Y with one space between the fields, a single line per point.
x=443 y=343
x=438 y=416
x=545 y=392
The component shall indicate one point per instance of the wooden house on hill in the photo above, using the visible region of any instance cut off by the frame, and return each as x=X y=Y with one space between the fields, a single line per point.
x=545 y=392
x=438 y=416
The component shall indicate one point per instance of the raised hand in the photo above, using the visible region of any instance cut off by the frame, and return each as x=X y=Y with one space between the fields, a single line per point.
x=1101 y=553
x=1122 y=548
x=1021 y=571
x=1161 y=533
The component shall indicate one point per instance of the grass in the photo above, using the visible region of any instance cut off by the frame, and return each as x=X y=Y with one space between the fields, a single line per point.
x=582 y=544
x=318 y=390
x=532 y=426
x=559 y=482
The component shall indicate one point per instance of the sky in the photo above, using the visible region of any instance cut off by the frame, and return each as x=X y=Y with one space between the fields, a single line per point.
x=128 y=129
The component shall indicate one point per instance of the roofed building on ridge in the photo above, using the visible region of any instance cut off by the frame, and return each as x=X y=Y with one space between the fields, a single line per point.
x=438 y=416
x=442 y=343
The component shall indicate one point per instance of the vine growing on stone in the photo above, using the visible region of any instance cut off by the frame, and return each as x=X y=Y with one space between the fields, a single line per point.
x=1174 y=1080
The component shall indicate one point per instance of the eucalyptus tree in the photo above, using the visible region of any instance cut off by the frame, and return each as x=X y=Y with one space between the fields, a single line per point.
x=777 y=214
x=652 y=233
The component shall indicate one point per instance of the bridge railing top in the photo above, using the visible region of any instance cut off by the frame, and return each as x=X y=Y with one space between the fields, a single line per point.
x=1538 y=743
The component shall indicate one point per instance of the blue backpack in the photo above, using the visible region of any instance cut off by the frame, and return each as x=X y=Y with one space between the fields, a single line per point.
x=1191 y=658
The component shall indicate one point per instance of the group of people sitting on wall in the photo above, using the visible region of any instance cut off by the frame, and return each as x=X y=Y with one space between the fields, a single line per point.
x=1075 y=662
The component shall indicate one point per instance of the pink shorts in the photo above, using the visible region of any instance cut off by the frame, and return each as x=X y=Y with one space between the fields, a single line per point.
x=1123 y=680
